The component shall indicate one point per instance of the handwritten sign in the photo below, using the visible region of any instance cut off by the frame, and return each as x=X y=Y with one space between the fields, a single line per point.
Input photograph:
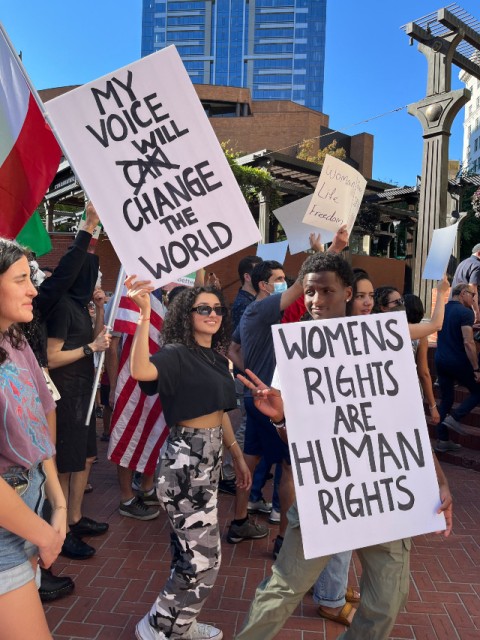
x=291 y=217
x=359 y=445
x=338 y=196
x=443 y=241
x=143 y=148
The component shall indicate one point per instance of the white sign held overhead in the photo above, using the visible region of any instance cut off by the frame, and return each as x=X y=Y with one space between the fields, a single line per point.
x=337 y=198
x=142 y=146
x=291 y=217
x=359 y=444
x=273 y=251
x=440 y=251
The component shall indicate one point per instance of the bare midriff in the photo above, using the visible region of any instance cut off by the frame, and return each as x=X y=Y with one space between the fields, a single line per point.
x=208 y=421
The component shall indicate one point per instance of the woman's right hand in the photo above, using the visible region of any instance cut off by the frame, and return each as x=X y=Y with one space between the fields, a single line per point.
x=139 y=291
x=48 y=551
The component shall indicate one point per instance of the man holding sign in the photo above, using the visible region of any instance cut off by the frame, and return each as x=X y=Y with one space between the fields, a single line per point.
x=327 y=286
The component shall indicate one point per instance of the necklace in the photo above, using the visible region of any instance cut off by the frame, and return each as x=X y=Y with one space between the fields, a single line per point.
x=202 y=352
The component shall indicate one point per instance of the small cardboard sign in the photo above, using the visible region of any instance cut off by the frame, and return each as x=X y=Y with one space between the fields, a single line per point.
x=337 y=197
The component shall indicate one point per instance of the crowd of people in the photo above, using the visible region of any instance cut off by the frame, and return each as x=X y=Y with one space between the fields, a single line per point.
x=48 y=442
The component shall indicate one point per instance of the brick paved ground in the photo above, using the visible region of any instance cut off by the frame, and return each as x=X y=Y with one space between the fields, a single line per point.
x=117 y=586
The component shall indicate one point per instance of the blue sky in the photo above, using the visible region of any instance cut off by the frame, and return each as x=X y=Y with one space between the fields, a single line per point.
x=370 y=67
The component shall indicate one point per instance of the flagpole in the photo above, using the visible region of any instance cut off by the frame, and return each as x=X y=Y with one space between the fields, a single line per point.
x=36 y=96
x=109 y=323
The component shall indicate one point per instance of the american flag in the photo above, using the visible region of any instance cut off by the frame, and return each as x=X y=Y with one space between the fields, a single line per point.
x=138 y=426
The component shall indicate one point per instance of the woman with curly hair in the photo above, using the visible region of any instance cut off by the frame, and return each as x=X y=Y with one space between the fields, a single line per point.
x=191 y=375
x=26 y=465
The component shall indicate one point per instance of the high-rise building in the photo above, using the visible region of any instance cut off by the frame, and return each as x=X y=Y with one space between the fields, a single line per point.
x=276 y=48
x=471 y=126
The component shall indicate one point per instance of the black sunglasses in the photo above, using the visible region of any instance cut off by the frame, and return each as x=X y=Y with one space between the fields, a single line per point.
x=206 y=310
x=396 y=303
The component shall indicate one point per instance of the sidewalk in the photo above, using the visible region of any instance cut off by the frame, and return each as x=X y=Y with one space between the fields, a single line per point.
x=116 y=587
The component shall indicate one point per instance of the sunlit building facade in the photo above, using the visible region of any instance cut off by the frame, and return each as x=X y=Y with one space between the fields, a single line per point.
x=276 y=48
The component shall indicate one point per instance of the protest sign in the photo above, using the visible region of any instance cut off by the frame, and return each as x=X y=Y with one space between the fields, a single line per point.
x=359 y=446
x=440 y=251
x=142 y=146
x=273 y=251
x=337 y=198
x=298 y=233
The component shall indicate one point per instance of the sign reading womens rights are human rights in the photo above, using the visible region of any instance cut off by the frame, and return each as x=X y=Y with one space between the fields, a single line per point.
x=337 y=197
x=143 y=148
x=359 y=446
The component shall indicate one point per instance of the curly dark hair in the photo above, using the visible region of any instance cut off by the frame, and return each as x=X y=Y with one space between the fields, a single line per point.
x=358 y=276
x=380 y=296
x=11 y=252
x=327 y=262
x=178 y=325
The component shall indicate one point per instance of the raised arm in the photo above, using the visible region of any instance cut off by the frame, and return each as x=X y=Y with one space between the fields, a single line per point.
x=68 y=268
x=435 y=323
x=140 y=366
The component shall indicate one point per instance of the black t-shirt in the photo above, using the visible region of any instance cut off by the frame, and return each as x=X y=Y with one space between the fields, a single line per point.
x=71 y=322
x=191 y=382
x=450 y=347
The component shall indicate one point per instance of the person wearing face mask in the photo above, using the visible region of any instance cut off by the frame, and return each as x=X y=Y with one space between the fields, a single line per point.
x=252 y=348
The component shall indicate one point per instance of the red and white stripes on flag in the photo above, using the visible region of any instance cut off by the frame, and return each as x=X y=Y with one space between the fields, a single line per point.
x=29 y=152
x=138 y=426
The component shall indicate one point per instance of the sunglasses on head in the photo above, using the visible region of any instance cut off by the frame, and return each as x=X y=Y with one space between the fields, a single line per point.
x=206 y=310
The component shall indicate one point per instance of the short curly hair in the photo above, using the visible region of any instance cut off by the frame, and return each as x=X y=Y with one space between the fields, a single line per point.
x=380 y=297
x=178 y=325
x=319 y=262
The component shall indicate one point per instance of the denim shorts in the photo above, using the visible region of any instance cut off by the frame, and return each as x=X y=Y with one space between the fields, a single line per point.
x=15 y=552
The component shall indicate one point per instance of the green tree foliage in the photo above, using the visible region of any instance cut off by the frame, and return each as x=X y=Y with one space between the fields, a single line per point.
x=308 y=152
x=252 y=180
x=470 y=229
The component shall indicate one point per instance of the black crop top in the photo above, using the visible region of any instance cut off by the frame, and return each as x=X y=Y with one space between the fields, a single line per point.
x=191 y=382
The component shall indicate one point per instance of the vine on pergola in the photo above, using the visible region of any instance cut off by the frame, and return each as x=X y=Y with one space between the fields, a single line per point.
x=253 y=180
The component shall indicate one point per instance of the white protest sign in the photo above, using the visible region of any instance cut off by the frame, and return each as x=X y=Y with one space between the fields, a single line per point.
x=337 y=197
x=298 y=233
x=440 y=252
x=359 y=445
x=142 y=146
x=273 y=251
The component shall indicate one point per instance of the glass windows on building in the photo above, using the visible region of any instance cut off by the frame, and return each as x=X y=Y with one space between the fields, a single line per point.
x=263 y=45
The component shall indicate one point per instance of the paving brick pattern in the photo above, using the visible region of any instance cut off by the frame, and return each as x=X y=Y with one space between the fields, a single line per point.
x=118 y=585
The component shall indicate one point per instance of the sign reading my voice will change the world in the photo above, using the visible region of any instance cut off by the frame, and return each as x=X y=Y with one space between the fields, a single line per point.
x=143 y=148
x=359 y=445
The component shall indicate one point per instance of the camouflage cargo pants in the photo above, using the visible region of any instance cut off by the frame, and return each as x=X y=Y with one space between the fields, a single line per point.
x=187 y=488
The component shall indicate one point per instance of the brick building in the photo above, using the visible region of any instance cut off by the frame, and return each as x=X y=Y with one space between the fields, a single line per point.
x=248 y=126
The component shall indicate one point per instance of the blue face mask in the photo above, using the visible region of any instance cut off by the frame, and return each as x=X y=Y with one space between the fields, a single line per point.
x=280 y=287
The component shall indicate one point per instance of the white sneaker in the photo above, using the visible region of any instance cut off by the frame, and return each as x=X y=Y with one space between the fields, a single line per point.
x=274 y=516
x=145 y=631
x=260 y=506
x=201 y=631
